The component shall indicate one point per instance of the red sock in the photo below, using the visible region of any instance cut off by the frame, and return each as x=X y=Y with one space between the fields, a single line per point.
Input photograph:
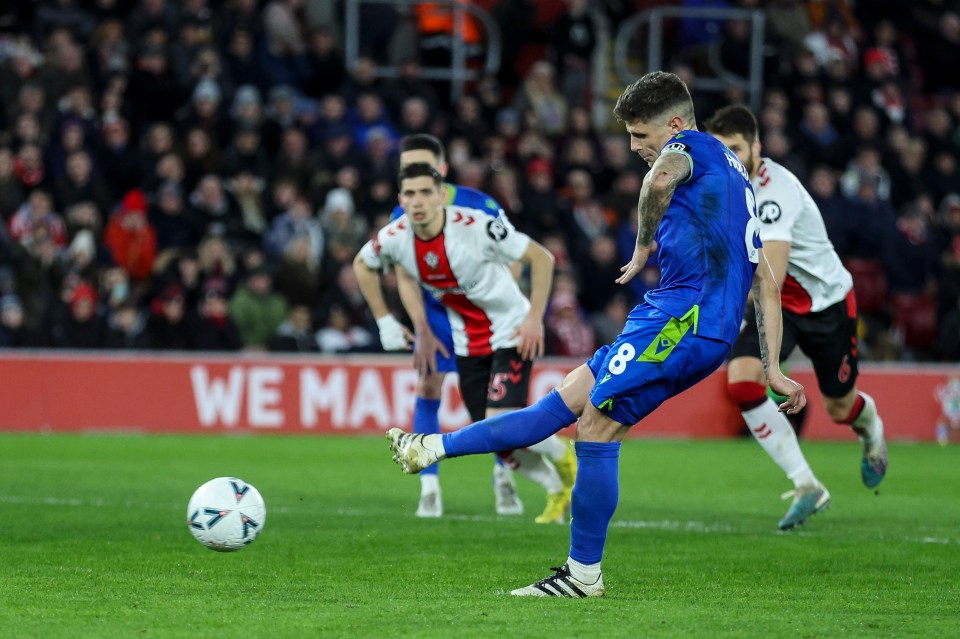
x=748 y=395
x=858 y=405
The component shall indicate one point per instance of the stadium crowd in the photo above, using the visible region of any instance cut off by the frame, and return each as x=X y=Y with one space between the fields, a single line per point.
x=199 y=175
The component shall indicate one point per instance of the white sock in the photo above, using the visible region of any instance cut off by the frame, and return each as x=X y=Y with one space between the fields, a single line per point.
x=584 y=573
x=537 y=469
x=503 y=473
x=868 y=421
x=552 y=447
x=435 y=443
x=429 y=484
x=773 y=432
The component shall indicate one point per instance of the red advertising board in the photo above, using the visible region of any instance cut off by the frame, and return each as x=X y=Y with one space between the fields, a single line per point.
x=360 y=394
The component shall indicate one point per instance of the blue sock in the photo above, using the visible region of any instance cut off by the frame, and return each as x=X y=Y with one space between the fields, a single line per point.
x=426 y=421
x=595 y=498
x=507 y=431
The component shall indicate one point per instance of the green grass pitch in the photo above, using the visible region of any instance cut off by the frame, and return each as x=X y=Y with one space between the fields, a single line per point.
x=94 y=543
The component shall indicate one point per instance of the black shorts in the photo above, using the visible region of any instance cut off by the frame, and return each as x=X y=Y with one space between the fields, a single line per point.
x=827 y=337
x=498 y=380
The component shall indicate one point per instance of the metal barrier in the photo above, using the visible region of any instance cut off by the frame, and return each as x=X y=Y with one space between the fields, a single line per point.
x=458 y=74
x=653 y=18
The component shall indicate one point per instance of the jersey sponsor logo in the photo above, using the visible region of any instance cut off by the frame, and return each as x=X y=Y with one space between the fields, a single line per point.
x=432 y=260
x=496 y=230
x=679 y=147
x=438 y=293
x=769 y=212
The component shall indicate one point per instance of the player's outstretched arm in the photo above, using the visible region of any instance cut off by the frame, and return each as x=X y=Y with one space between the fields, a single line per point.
x=541 y=279
x=394 y=336
x=766 y=300
x=427 y=345
x=669 y=171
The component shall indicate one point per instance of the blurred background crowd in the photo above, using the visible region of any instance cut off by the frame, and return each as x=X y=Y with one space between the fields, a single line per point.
x=198 y=175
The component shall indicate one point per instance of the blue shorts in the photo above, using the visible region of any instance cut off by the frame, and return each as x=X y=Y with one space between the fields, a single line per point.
x=656 y=357
x=440 y=325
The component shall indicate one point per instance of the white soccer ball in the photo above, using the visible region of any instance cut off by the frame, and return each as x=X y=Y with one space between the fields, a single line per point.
x=226 y=514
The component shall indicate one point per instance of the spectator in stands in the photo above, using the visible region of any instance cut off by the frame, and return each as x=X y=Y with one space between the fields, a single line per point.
x=11 y=191
x=292 y=160
x=539 y=95
x=295 y=334
x=83 y=327
x=338 y=335
x=153 y=92
x=201 y=157
x=36 y=216
x=125 y=325
x=246 y=154
x=14 y=333
x=212 y=328
x=295 y=221
x=118 y=159
x=131 y=238
x=216 y=211
x=176 y=225
x=247 y=187
x=257 y=310
x=216 y=259
x=166 y=328
x=298 y=278
x=79 y=184
x=29 y=169
x=567 y=330
x=572 y=41
x=327 y=68
x=910 y=258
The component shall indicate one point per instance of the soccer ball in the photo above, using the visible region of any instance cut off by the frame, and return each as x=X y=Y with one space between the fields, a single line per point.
x=226 y=514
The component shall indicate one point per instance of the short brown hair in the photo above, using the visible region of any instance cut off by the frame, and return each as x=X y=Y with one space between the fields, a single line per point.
x=423 y=142
x=734 y=119
x=419 y=169
x=652 y=96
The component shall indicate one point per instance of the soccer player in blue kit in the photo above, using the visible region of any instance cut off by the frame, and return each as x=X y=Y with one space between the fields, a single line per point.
x=697 y=210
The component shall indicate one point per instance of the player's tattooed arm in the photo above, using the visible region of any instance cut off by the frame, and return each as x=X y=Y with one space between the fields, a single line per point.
x=766 y=301
x=669 y=171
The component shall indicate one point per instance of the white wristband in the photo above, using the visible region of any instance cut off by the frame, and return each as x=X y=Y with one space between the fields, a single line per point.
x=392 y=337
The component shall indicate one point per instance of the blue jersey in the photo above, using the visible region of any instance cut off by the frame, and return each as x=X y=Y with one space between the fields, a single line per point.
x=708 y=240
x=435 y=311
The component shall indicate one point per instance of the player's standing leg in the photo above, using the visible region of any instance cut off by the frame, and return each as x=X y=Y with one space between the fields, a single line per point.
x=746 y=385
x=509 y=389
x=426 y=420
x=772 y=430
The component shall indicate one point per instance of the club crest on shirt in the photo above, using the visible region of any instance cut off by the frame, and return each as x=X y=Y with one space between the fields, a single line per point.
x=432 y=260
x=769 y=212
x=676 y=146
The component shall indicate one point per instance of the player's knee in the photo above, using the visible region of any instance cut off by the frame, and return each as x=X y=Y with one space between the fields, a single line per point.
x=594 y=426
x=747 y=395
x=430 y=386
